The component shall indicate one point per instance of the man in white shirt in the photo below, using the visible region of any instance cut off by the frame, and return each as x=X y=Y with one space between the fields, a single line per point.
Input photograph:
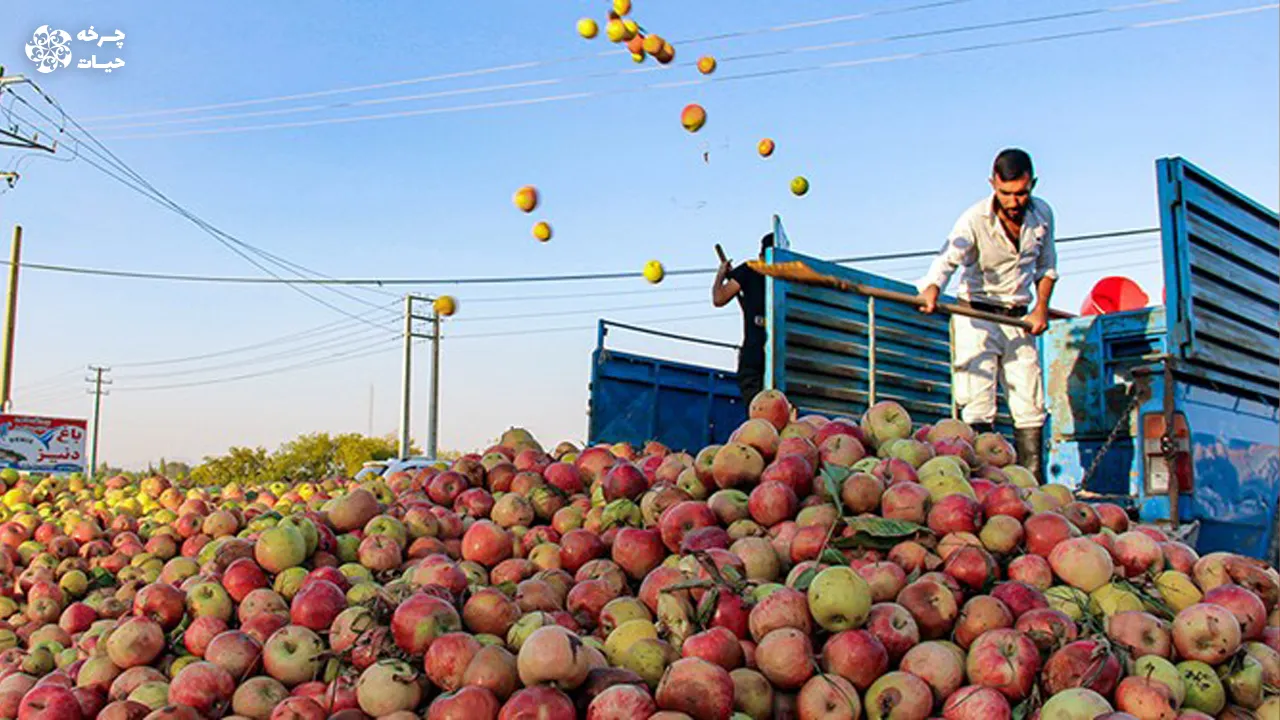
x=1003 y=246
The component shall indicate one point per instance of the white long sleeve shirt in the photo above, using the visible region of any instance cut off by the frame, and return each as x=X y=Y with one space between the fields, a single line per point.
x=992 y=269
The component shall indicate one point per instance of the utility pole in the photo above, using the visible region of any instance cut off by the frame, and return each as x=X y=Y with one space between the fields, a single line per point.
x=406 y=381
x=13 y=136
x=433 y=410
x=11 y=320
x=97 y=392
x=406 y=378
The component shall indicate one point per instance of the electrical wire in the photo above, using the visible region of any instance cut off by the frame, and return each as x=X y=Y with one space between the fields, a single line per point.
x=271 y=342
x=139 y=184
x=385 y=346
x=500 y=280
x=334 y=343
x=777 y=72
x=918 y=35
x=529 y=65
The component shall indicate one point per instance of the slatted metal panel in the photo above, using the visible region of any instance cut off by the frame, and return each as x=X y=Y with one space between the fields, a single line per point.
x=1222 y=274
x=636 y=398
x=822 y=343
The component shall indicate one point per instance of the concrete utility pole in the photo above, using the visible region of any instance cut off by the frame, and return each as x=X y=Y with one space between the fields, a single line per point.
x=97 y=392
x=433 y=410
x=11 y=321
x=406 y=381
x=13 y=137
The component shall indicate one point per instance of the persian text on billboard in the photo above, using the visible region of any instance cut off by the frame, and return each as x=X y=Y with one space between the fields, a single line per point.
x=42 y=444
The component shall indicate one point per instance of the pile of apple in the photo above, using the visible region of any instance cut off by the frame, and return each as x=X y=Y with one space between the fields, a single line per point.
x=809 y=568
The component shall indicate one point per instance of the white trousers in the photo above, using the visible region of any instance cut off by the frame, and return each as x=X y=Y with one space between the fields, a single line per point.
x=986 y=352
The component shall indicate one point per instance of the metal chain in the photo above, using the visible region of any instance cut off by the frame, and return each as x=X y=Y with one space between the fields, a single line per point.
x=1115 y=432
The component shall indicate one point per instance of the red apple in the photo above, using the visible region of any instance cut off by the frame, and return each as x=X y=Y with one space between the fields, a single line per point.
x=1084 y=663
x=1244 y=604
x=895 y=628
x=857 y=656
x=974 y=702
x=420 y=620
x=317 y=604
x=538 y=703
x=717 y=645
x=1005 y=660
x=49 y=702
x=448 y=658
x=1206 y=632
x=938 y=665
x=202 y=686
x=933 y=606
x=1141 y=633
x=469 y=703
x=696 y=687
x=980 y=614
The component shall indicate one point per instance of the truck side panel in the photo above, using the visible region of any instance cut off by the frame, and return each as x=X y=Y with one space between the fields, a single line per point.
x=1235 y=449
x=1222 y=273
x=635 y=399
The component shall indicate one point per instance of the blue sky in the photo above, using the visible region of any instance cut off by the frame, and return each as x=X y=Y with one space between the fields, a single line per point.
x=894 y=149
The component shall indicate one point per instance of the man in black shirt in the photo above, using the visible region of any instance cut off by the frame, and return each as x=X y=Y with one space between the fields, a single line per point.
x=747 y=286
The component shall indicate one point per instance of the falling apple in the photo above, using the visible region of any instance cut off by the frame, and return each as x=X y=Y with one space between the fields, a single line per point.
x=654 y=272
x=693 y=117
x=526 y=198
x=765 y=147
x=588 y=28
x=706 y=64
x=800 y=186
x=542 y=231
x=445 y=305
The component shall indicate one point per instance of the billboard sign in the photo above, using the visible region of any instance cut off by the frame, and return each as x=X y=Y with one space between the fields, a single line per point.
x=42 y=444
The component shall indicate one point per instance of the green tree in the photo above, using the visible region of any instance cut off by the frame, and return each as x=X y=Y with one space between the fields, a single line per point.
x=320 y=455
x=250 y=466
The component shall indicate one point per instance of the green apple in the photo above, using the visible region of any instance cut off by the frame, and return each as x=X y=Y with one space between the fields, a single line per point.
x=1158 y=668
x=280 y=548
x=839 y=599
x=1204 y=690
x=289 y=582
x=1245 y=685
x=349 y=549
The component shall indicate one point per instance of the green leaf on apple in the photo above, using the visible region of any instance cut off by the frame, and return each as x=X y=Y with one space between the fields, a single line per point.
x=833 y=477
x=805 y=579
x=832 y=556
x=878 y=533
x=1021 y=710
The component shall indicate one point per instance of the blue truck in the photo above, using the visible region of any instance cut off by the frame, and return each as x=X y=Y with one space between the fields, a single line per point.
x=1172 y=410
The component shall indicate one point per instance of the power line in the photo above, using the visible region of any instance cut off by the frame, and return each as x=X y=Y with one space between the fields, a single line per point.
x=779 y=72
x=502 y=87
x=528 y=65
x=383 y=347
x=139 y=184
x=496 y=280
x=390 y=344
x=318 y=330
x=333 y=343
